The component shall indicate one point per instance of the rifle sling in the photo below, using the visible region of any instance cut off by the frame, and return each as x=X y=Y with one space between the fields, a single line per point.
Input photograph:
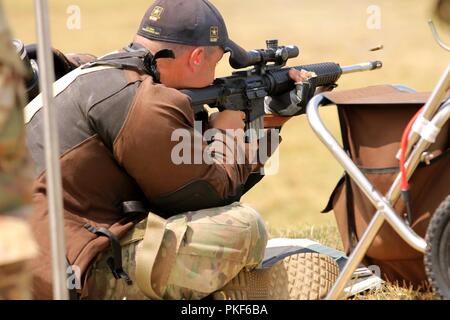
x=114 y=262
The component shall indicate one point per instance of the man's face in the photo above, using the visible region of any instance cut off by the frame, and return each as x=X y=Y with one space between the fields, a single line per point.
x=204 y=74
x=194 y=68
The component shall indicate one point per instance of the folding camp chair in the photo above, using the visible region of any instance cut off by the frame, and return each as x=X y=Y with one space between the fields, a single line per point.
x=373 y=119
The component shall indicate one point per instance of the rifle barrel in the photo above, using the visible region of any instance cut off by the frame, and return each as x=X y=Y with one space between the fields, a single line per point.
x=278 y=81
x=365 y=66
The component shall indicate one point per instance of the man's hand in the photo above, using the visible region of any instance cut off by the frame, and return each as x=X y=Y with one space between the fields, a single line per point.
x=227 y=119
x=294 y=102
x=300 y=76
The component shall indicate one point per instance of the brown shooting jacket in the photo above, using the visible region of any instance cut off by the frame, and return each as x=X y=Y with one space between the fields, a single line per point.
x=115 y=145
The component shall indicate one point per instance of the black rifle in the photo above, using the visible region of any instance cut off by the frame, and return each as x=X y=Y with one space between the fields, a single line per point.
x=245 y=90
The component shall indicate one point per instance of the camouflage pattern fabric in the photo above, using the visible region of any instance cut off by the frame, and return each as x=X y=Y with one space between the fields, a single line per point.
x=16 y=243
x=201 y=252
x=15 y=171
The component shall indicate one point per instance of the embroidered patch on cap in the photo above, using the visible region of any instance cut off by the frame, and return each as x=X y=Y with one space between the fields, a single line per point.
x=156 y=13
x=152 y=30
x=214 y=34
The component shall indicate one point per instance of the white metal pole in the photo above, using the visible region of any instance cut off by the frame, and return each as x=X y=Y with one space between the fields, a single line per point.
x=54 y=189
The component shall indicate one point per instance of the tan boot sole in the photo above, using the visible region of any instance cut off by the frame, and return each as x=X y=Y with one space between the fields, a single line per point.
x=303 y=276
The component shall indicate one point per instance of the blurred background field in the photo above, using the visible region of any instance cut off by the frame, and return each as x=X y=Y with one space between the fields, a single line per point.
x=333 y=30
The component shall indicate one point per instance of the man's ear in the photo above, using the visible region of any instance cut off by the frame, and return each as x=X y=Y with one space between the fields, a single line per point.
x=196 y=57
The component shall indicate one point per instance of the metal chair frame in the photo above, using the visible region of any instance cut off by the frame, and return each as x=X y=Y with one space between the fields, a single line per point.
x=437 y=114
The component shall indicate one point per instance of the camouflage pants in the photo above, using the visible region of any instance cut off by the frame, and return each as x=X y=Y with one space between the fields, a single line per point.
x=17 y=246
x=206 y=249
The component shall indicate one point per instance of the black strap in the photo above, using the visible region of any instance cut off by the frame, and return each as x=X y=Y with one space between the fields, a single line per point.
x=352 y=237
x=135 y=57
x=114 y=262
x=396 y=169
x=73 y=294
x=124 y=55
x=131 y=207
x=123 y=60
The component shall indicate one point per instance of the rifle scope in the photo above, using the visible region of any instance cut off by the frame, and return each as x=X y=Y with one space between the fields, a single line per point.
x=273 y=53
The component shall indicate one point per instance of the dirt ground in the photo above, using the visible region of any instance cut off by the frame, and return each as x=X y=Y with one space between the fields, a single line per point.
x=341 y=31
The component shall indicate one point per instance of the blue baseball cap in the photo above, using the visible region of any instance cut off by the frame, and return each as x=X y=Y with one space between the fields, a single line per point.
x=188 y=22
